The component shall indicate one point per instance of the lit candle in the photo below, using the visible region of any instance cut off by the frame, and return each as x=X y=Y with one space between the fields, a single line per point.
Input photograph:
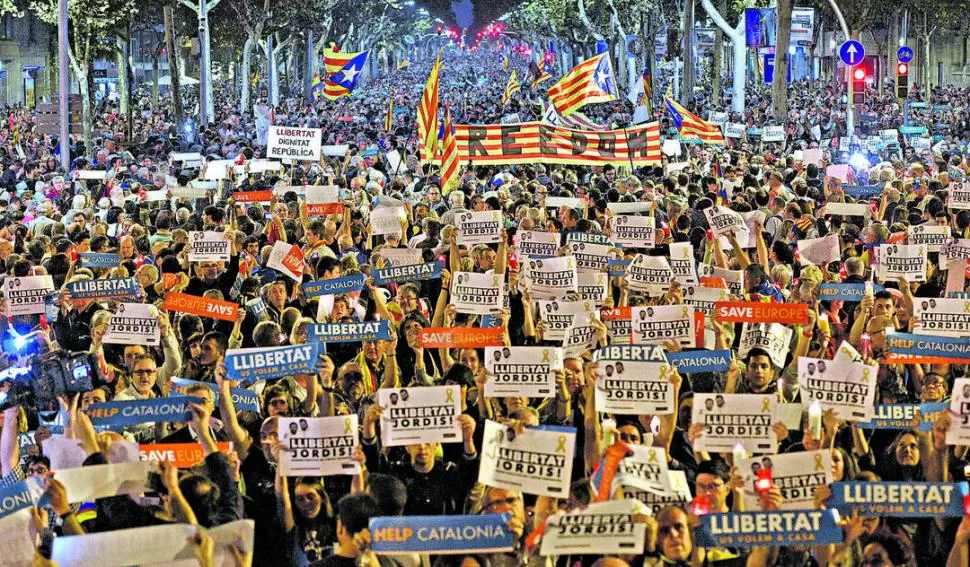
x=700 y=506
x=823 y=323
x=966 y=505
x=764 y=482
x=739 y=453
x=815 y=420
x=655 y=425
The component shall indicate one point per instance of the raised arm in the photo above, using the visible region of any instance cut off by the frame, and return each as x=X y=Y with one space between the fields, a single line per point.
x=241 y=440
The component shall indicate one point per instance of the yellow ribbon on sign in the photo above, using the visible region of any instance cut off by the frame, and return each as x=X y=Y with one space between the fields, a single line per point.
x=494 y=281
x=561 y=448
x=684 y=313
x=766 y=405
x=865 y=374
x=599 y=279
x=569 y=264
x=686 y=253
x=722 y=295
x=545 y=355
x=449 y=396
x=966 y=306
x=348 y=427
x=663 y=372
x=818 y=462
x=494 y=215
x=586 y=306
x=652 y=456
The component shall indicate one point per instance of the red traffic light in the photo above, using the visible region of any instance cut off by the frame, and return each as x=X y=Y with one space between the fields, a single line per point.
x=902 y=69
x=859 y=74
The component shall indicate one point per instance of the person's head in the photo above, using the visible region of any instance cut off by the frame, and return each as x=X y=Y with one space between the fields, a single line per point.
x=883 y=304
x=887 y=550
x=934 y=388
x=673 y=534
x=631 y=432
x=276 y=294
x=712 y=482
x=37 y=465
x=277 y=401
x=210 y=271
x=389 y=492
x=422 y=454
x=212 y=347
x=310 y=498
x=202 y=496
x=144 y=371
x=374 y=350
x=354 y=512
x=905 y=449
x=470 y=358
x=876 y=328
x=133 y=353
x=759 y=372
x=843 y=466
x=503 y=501
x=95 y=396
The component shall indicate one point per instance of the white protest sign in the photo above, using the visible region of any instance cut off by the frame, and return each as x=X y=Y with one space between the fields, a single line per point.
x=956 y=249
x=209 y=246
x=645 y=468
x=628 y=208
x=635 y=388
x=902 y=261
x=287 y=259
x=634 y=231
x=556 y=202
x=812 y=156
x=133 y=324
x=552 y=278
x=651 y=274
x=479 y=227
x=592 y=286
x=420 y=415
x=264 y=165
x=539 y=460
x=215 y=170
x=187 y=159
x=846 y=387
x=323 y=200
x=102 y=481
x=301 y=144
x=747 y=238
x=166 y=544
x=157 y=195
x=724 y=220
x=387 y=220
x=840 y=170
x=703 y=298
x=591 y=257
x=677 y=495
x=16 y=539
x=401 y=256
x=733 y=278
x=338 y=150
x=580 y=336
x=25 y=295
x=558 y=316
x=848 y=209
x=92 y=174
x=734 y=130
x=797 y=475
x=958 y=195
x=535 y=244
x=318 y=446
x=773 y=338
x=477 y=294
x=656 y=324
x=601 y=528
x=671 y=147
x=773 y=134
x=932 y=237
x=682 y=262
x=522 y=371
x=942 y=317
x=732 y=418
x=959 y=432
x=819 y=251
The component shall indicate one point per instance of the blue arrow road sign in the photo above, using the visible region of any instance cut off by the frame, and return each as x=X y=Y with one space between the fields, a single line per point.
x=904 y=54
x=852 y=52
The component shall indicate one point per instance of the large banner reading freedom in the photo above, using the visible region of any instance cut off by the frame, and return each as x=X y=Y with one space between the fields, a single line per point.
x=531 y=142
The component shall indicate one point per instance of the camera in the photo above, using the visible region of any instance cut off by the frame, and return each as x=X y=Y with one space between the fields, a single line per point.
x=52 y=374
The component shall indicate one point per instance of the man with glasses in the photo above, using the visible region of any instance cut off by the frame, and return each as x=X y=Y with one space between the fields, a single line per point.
x=503 y=501
x=184 y=433
x=713 y=481
x=144 y=373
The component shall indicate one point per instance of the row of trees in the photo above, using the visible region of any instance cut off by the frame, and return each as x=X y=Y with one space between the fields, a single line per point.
x=579 y=23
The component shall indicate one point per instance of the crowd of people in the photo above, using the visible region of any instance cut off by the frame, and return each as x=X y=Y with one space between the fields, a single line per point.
x=793 y=246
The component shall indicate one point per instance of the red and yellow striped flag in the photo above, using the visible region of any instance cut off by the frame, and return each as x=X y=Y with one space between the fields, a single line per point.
x=511 y=88
x=449 y=155
x=428 y=115
x=389 y=118
x=589 y=82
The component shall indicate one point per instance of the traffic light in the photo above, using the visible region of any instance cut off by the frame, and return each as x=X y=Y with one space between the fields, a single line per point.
x=902 y=80
x=858 y=85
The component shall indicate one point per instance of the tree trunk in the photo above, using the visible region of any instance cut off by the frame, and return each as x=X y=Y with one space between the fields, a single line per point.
x=718 y=55
x=86 y=101
x=740 y=52
x=121 y=53
x=687 y=55
x=779 y=84
x=174 y=71
x=156 y=63
x=206 y=73
x=245 y=72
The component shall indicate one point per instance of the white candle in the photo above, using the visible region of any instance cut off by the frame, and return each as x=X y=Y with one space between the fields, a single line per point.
x=739 y=453
x=815 y=420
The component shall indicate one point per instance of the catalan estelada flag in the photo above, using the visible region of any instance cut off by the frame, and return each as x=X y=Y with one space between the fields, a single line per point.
x=428 y=115
x=691 y=127
x=316 y=88
x=403 y=64
x=449 y=154
x=646 y=97
x=342 y=82
x=511 y=88
x=504 y=60
x=334 y=59
x=389 y=117
x=589 y=82
x=539 y=75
